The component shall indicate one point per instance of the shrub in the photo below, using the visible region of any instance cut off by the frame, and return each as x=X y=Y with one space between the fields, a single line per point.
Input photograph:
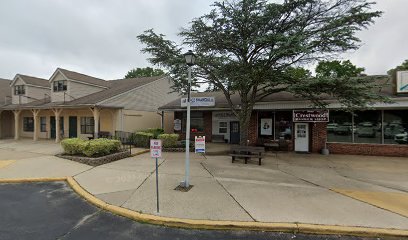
x=141 y=139
x=72 y=146
x=169 y=140
x=155 y=131
x=90 y=148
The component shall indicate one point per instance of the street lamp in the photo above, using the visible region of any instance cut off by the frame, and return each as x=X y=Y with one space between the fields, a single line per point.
x=190 y=60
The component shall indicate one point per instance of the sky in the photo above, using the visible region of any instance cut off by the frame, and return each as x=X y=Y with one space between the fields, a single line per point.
x=98 y=37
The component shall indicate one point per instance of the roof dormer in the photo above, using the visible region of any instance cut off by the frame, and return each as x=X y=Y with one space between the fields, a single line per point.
x=26 y=89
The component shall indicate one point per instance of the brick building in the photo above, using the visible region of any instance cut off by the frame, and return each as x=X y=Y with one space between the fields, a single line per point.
x=380 y=130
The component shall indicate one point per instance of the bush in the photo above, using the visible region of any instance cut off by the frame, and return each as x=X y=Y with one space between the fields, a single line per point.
x=155 y=131
x=141 y=139
x=169 y=140
x=90 y=148
x=72 y=146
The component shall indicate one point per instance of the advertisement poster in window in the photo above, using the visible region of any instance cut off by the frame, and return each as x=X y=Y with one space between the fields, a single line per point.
x=266 y=126
x=177 y=124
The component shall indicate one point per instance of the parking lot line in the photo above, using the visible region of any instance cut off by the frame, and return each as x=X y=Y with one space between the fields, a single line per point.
x=5 y=163
x=391 y=201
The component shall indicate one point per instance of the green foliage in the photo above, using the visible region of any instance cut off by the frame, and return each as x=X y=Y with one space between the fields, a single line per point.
x=155 y=131
x=141 y=139
x=72 y=146
x=169 y=140
x=144 y=72
x=338 y=69
x=252 y=48
x=90 y=148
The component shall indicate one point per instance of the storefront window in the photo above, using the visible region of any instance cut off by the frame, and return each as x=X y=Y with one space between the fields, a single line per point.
x=196 y=122
x=283 y=125
x=87 y=125
x=223 y=127
x=43 y=124
x=265 y=125
x=395 y=126
x=339 y=128
x=367 y=126
x=28 y=124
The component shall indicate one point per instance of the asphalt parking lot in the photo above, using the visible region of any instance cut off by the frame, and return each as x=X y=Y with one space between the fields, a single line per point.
x=54 y=211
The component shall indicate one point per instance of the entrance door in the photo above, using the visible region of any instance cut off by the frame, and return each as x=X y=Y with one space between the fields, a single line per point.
x=301 y=137
x=234 y=132
x=73 y=127
x=52 y=126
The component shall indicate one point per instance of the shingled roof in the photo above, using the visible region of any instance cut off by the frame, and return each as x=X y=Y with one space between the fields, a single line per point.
x=84 y=78
x=35 y=81
x=116 y=87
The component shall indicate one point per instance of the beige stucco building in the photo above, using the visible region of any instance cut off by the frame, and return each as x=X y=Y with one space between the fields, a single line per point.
x=72 y=104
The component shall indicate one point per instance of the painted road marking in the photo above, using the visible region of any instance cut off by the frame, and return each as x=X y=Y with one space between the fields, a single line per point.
x=391 y=201
x=5 y=163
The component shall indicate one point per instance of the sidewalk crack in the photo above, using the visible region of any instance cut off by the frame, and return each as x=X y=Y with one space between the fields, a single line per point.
x=229 y=193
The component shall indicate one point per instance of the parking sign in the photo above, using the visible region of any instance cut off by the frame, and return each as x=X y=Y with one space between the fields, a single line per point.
x=155 y=148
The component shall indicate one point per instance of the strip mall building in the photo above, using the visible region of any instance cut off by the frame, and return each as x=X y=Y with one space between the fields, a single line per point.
x=381 y=130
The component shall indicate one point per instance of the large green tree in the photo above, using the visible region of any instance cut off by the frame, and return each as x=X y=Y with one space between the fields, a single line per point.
x=143 y=72
x=253 y=48
x=338 y=68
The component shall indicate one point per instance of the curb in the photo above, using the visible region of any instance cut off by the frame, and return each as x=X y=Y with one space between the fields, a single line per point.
x=219 y=225
x=140 y=152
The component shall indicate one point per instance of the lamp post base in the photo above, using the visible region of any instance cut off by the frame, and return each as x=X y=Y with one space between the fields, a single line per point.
x=182 y=187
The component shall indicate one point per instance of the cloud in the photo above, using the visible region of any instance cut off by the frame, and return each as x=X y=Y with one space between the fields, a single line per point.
x=99 y=37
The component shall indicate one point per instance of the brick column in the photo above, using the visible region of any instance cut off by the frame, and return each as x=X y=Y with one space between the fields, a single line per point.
x=319 y=136
x=253 y=129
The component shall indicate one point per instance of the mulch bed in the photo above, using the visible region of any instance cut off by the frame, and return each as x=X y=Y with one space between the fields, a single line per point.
x=97 y=160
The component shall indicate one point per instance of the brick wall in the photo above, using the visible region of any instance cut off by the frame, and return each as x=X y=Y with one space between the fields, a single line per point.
x=369 y=149
x=318 y=136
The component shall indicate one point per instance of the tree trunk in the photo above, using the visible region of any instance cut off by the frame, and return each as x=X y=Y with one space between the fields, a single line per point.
x=244 y=121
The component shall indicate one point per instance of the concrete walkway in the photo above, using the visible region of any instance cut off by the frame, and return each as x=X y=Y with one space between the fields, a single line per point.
x=308 y=188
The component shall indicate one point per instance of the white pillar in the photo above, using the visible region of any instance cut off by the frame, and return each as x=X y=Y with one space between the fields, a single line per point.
x=16 y=124
x=57 y=113
x=96 y=115
x=36 y=123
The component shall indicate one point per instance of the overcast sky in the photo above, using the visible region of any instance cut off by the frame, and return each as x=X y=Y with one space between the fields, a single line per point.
x=98 y=37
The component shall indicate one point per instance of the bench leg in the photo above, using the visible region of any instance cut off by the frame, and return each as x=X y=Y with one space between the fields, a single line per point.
x=260 y=161
x=233 y=159
x=246 y=160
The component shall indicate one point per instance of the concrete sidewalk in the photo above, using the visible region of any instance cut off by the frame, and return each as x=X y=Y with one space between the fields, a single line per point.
x=334 y=190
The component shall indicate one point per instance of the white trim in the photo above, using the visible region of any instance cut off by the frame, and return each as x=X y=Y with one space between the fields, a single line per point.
x=136 y=88
x=15 y=79
x=31 y=85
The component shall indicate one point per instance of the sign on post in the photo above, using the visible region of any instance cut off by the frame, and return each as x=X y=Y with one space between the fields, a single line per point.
x=155 y=148
x=156 y=152
x=200 y=144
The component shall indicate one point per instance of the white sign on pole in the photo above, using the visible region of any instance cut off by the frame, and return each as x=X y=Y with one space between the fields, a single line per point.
x=200 y=144
x=199 y=102
x=155 y=148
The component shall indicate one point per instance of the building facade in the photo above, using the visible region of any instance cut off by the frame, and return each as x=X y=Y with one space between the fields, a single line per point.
x=71 y=104
x=379 y=130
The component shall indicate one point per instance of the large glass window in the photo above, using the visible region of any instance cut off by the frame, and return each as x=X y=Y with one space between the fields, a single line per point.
x=43 y=124
x=87 y=125
x=196 y=122
x=283 y=123
x=367 y=126
x=59 y=86
x=339 y=128
x=19 y=90
x=28 y=124
x=395 y=126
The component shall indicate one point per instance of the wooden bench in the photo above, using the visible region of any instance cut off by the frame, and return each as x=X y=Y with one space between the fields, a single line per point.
x=247 y=152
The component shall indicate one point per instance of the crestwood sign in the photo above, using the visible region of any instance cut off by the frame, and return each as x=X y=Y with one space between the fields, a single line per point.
x=310 y=115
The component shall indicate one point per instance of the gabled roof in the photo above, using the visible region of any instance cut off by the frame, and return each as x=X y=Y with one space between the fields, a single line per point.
x=41 y=82
x=83 y=78
x=117 y=87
